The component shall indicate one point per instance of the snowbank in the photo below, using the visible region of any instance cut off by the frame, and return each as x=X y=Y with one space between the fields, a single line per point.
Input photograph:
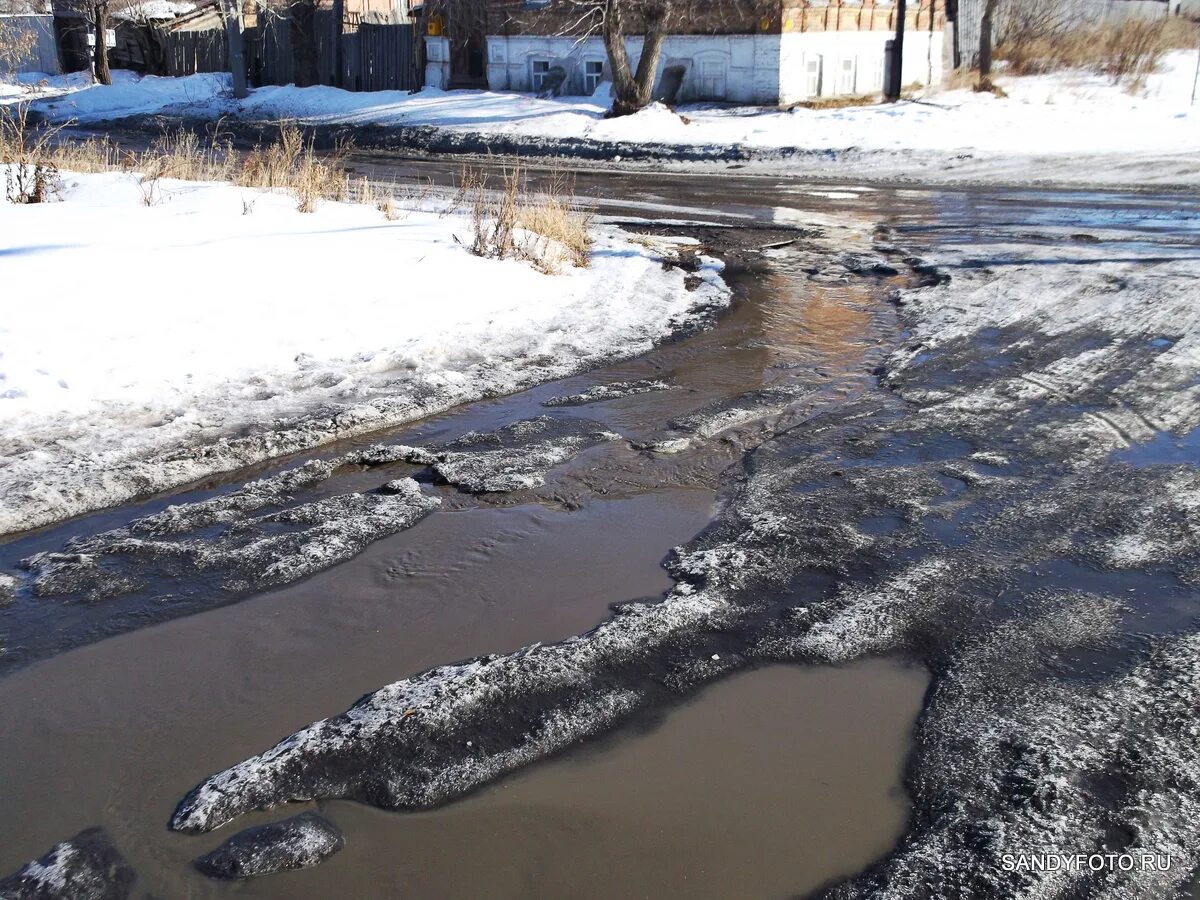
x=1052 y=119
x=74 y=97
x=1042 y=114
x=143 y=347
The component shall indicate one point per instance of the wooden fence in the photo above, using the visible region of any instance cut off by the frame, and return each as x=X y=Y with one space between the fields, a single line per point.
x=189 y=52
x=375 y=57
x=387 y=58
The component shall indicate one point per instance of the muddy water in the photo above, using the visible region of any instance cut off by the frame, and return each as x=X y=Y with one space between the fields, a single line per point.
x=767 y=785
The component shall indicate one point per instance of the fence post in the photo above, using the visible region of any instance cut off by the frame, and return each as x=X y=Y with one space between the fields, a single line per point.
x=235 y=36
x=339 y=15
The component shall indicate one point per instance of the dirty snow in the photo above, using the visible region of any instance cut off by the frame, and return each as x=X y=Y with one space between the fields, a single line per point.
x=296 y=843
x=219 y=327
x=85 y=867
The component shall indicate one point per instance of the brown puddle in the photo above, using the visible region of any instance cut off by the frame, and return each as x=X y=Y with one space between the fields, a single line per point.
x=115 y=733
x=767 y=785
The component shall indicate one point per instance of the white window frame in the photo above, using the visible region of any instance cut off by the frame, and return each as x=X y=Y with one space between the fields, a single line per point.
x=537 y=79
x=592 y=80
x=847 y=75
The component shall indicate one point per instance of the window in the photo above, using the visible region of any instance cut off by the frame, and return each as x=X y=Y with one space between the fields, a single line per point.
x=540 y=68
x=812 y=76
x=593 y=74
x=845 y=84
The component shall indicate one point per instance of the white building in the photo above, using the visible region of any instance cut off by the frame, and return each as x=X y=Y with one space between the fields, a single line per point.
x=815 y=50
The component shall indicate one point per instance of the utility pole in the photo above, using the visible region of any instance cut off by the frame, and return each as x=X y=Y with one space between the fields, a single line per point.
x=339 y=14
x=986 y=26
x=1196 y=77
x=235 y=39
x=896 y=74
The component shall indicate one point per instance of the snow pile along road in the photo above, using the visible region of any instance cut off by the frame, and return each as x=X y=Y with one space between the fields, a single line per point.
x=1066 y=127
x=144 y=347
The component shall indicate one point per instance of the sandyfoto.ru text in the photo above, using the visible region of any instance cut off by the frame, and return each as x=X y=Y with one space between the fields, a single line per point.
x=1085 y=862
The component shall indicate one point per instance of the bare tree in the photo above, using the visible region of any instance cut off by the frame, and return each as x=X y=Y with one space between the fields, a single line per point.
x=633 y=90
x=100 y=14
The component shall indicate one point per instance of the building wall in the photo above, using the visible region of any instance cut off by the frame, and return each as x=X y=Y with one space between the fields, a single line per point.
x=818 y=64
x=43 y=55
x=737 y=68
x=1086 y=12
x=751 y=68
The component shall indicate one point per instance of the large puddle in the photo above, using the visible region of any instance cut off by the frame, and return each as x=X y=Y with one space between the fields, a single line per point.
x=768 y=784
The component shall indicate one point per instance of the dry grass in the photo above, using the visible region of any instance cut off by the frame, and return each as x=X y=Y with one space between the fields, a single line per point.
x=31 y=174
x=1126 y=52
x=387 y=206
x=837 y=102
x=545 y=228
x=289 y=163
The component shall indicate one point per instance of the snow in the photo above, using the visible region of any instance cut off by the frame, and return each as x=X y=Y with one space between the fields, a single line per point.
x=160 y=344
x=74 y=97
x=1049 y=118
x=154 y=9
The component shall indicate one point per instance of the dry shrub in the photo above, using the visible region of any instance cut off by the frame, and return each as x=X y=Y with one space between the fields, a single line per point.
x=961 y=79
x=546 y=229
x=387 y=206
x=37 y=154
x=92 y=155
x=182 y=155
x=31 y=174
x=16 y=43
x=291 y=163
x=1181 y=34
x=1126 y=52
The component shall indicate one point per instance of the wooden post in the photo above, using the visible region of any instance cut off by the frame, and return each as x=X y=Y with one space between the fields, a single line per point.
x=985 y=44
x=235 y=36
x=896 y=75
x=339 y=63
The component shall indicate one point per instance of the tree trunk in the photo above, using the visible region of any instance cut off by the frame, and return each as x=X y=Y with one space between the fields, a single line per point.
x=633 y=90
x=304 y=42
x=985 y=40
x=624 y=89
x=100 y=51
